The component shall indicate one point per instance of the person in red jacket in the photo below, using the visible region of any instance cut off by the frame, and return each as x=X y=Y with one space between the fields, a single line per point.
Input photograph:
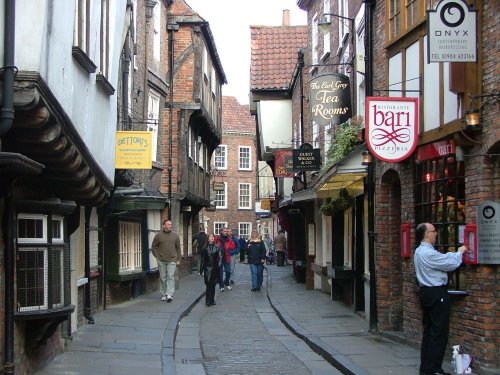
x=228 y=246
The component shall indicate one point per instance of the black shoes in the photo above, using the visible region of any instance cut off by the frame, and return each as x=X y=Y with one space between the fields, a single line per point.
x=254 y=289
x=440 y=372
x=210 y=303
x=258 y=288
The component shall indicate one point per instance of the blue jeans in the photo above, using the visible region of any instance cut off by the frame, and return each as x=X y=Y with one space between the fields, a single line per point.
x=257 y=275
x=224 y=268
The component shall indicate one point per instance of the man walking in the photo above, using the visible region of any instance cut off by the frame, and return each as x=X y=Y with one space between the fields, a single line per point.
x=280 y=246
x=227 y=244
x=432 y=269
x=166 y=248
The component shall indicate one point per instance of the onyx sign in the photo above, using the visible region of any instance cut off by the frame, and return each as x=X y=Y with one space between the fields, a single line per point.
x=330 y=99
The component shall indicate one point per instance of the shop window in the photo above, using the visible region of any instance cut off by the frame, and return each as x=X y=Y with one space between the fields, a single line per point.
x=130 y=246
x=42 y=263
x=440 y=197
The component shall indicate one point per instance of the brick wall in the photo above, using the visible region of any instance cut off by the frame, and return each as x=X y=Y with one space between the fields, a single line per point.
x=233 y=215
x=474 y=320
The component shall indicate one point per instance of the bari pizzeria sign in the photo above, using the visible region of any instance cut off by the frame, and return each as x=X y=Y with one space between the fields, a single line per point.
x=391 y=130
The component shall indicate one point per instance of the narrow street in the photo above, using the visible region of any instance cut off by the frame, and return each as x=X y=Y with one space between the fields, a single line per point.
x=242 y=335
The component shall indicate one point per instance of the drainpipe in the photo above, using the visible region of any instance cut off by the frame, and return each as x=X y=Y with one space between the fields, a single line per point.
x=369 y=5
x=87 y=308
x=9 y=70
x=301 y=83
x=6 y=118
x=125 y=83
x=171 y=27
x=9 y=258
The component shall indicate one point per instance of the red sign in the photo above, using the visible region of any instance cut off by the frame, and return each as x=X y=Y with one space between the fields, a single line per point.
x=391 y=127
x=436 y=150
x=283 y=163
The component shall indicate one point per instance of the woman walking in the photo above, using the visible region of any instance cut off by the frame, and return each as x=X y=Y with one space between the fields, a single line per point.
x=211 y=257
x=256 y=258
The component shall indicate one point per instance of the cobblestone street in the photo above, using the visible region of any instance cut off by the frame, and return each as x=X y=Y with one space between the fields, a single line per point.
x=242 y=335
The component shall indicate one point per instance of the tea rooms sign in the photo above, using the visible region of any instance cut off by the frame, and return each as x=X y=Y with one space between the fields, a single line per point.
x=391 y=129
x=330 y=99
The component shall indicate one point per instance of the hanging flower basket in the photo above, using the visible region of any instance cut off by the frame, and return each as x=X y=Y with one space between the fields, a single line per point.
x=338 y=204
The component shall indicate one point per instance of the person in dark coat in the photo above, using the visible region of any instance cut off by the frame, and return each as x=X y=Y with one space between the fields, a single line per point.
x=211 y=257
x=256 y=258
x=243 y=249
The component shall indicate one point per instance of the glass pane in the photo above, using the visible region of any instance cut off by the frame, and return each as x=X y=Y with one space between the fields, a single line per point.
x=31 y=279
x=440 y=194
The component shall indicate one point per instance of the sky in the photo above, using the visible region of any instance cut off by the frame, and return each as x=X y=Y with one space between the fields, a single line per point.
x=230 y=22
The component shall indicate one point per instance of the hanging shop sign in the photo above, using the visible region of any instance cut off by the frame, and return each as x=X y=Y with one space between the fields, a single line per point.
x=133 y=150
x=488 y=233
x=306 y=158
x=452 y=32
x=391 y=129
x=218 y=186
x=283 y=163
x=330 y=99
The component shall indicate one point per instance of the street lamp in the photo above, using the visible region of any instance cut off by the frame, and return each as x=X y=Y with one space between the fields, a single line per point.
x=325 y=23
x=150 y=6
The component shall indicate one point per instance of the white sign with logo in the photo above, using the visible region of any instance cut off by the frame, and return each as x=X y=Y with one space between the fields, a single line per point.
x=452 y=32
x=391 y=129
x=488 y=233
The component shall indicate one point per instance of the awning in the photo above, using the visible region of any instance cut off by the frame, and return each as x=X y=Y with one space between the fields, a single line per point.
x=347 y=173
x=139 y=199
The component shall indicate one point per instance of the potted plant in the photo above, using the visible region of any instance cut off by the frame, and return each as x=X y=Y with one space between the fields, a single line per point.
x=343 y=201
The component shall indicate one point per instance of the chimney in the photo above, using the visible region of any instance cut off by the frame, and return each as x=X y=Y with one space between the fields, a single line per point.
x=286 y=17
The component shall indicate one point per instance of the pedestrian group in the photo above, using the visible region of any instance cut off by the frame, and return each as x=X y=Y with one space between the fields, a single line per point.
x=217 y=255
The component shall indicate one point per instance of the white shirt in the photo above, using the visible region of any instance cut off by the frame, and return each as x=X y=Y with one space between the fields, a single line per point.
x=432 y=267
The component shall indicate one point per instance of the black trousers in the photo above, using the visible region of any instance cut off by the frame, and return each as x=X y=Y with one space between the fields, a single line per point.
x=211 y=276
x=435 y=320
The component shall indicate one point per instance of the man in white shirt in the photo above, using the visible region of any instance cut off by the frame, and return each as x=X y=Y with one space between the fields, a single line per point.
x=432 y=269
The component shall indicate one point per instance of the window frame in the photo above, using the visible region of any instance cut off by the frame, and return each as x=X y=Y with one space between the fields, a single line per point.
x=242 y=159
x=434 y=177
x=241 y=232
x=157 y=33
x=134 y=256
x=240 y=196
x=223 y=195
x=52 y=248
x=104 y=51
x=152 y=125
x=398 y=18
x=218 y=225
x=217 y=164
x=81 y=32
x=39 y=240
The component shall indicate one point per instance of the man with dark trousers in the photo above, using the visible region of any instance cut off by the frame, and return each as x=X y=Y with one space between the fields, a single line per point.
x=431 y=268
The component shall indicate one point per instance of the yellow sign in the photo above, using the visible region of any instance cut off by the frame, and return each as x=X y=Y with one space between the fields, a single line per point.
x=133 y=150
x=265 y=204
